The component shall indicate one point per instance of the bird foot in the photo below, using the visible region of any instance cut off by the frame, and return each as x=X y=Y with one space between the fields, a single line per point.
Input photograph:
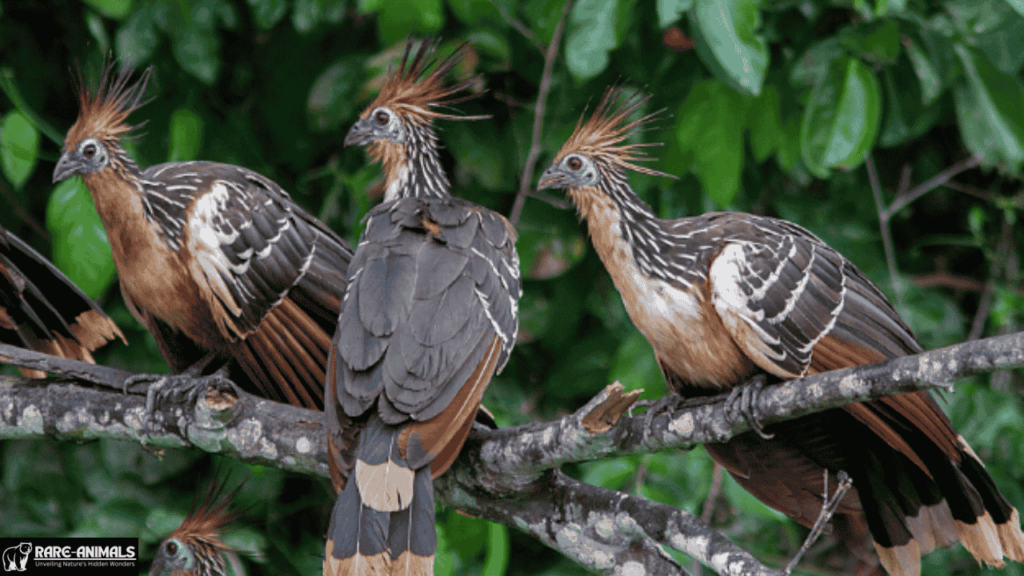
x=666 y=404
x=743 y=401
x=176 y=388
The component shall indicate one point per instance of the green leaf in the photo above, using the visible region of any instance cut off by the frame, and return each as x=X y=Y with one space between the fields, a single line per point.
x=1017 y=5
x=19 y=148
x=332 y=99
x=10 y=89
x=267 y=13
x=137 y=38
x=925 y=70
x=904 y=117
x=711 y=123
x=549 y=241
x=876 y=41
x=496 y=561
x=196 y=52
x=1004 y=45
x=670 y=11
x=729 y=29
x=80 y=246
x=543 y=16
x=765 y=124
x=813 y=65
x=116 y=9
x=591 y=37
x=306 y=15
x=789 y=146
x=990 y=110
x=841 y=118
x=186 y=135
x=98 y=30
x=494 y=45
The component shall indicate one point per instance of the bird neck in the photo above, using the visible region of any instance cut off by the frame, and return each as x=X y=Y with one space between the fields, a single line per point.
x=625 y=230
x=413 y=168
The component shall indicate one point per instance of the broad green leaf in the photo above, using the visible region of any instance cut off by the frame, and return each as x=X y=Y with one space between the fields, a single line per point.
x=116 y=9
x=137 y=38
x=670 y=11
x=266 y=13
x=1004 y=45
x=591 y=36
x=494 y=45
x=813 y=65
x=1017 y=5
x=730 y=30
x=765 y=124
x=877 y=41
x=332 y=99
x=710 y=124
x=747 y=503
x=990 y=110
x=925 y=70
x=186 y=135
x=195 y=50
x=472 y=534
x=904 y=117
x=364 y=7
x=98 y=30
x=306 y=14
x=542 y=17
x=841 y=118
x=80 y=246
x=19 y=148
x=496 y=560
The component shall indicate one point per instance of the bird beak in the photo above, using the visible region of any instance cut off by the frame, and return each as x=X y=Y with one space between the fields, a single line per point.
x=553 y=177
x=361 y=134
x=68 y=165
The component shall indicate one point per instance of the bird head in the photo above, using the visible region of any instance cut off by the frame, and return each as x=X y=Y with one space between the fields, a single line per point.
x=93 y=142
x=410 y=99
x=195 y=548
x=594 y=159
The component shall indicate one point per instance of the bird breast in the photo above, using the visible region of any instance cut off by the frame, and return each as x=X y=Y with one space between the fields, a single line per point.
x=681 y=325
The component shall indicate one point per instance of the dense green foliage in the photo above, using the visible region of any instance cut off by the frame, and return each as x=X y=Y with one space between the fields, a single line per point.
x=774 y=106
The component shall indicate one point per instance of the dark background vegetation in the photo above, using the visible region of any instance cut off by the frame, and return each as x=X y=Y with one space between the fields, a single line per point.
x=773 y=107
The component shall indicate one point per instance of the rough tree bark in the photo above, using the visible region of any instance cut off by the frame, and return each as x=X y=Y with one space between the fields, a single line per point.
x=509 y=475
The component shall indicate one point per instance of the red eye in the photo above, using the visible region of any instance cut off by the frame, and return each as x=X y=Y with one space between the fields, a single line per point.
x=382 y=118
x=574 y=163
x=171 y=548
x=89 y=151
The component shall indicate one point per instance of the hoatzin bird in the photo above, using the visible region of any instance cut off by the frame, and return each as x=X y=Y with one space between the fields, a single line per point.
x=195 y=548
x=724 y=296
x=41 y=309
x=429 y=316
x=214 y=260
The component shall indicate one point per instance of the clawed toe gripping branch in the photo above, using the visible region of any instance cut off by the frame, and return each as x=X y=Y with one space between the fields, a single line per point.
x=508 y=475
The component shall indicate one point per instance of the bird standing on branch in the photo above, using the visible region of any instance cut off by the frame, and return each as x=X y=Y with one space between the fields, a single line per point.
x=723 y=297
x=429 y=316
x=214 y=260
x=195 y=548
x=41 y=309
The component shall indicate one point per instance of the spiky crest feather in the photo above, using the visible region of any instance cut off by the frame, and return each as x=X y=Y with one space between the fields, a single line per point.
x=104 y=115
x=608 y=126
x=208 y=516
x=414 y=91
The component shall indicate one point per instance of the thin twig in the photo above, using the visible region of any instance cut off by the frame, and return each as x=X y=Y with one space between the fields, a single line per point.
x=970 y=190
x=538 y=115
x=552 y=200
x=828 y=508
x=883 y=224
x=933 y=183
x=519 y=26
x=709 y=506
x=984 y=305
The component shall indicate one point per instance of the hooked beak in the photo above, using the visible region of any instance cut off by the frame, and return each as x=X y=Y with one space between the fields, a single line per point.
x=553 y=177
x=67 y=166
x=361 y=134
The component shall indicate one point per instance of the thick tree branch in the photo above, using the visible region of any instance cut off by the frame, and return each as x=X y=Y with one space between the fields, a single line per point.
x=506 y=475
